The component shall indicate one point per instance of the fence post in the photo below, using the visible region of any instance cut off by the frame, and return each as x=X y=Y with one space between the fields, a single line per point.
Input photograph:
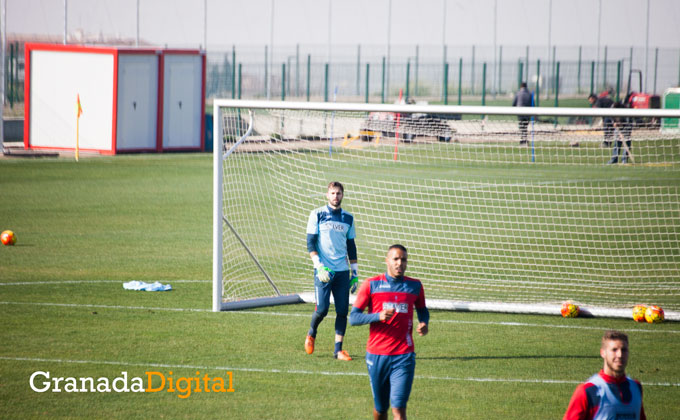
x=592 y=77
x=484 y=84
x=297 y=70
x=233 y=71
x=309 y=70
x=520 y=72
x=578 y=72
x=240 y=83
x=557 y=86
x=460 y=79
x=446 y=83
x=408 y=77
x=8 y=82
x=500 y=68
x=526 y=65
x=656 y=66
x=283 y=81
x=358 y=69
x=604 y=72
x=368 y=68
x=537 y=94
x=382 y=97
x=472 y=72
x=266 y=72
x=325 y=82
x=415 y=89
x=618 y=80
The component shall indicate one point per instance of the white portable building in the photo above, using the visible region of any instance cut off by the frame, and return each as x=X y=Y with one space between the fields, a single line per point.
x=127 y=96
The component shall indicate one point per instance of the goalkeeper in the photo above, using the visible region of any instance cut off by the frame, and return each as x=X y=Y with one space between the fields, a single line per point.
x=330 y=242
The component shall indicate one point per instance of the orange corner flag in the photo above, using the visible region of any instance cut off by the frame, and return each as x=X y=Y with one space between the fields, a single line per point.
x=80 y=108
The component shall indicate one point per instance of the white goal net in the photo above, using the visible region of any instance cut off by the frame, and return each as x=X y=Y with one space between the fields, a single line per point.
x=578 y=205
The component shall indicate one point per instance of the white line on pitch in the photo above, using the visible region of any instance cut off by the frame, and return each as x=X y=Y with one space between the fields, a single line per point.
x=31 y=283
x=86 y=305
x=330 y=316
x=302 y=372
x=576 y=327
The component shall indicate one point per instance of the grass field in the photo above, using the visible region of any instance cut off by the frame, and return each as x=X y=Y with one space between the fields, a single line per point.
x=86 y=228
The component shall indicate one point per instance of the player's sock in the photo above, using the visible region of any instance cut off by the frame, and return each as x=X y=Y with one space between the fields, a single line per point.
x=338 y=347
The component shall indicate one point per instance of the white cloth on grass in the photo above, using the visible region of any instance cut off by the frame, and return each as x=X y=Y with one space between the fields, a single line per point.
x=148 y=287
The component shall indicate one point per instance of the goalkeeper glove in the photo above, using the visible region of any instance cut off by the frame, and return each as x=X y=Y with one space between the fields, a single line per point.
x=323 y=273
x=354 y=279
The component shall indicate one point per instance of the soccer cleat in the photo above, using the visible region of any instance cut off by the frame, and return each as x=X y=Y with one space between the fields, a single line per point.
x=343 y=355
x=309 y=344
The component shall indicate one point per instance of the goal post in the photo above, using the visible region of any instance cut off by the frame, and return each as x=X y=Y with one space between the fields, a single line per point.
x=495 y=217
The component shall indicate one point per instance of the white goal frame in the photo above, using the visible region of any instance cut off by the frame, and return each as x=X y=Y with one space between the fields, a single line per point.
x=220 y=152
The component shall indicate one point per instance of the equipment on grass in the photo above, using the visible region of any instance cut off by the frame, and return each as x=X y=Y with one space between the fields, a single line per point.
x=641 y=100
x=639 y=313
x=487 y=228
x=8 y=238
x=569 y=310
x=654 y=314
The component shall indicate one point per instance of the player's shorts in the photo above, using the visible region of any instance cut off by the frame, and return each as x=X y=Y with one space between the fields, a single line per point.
x=391 y=379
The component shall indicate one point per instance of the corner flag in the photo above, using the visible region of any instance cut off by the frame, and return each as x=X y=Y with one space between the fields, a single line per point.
x=79 y=111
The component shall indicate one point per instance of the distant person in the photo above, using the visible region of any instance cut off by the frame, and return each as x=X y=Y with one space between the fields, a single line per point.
x=604 y=101
x=390 y=354
x=623 y=129
x=523 y=98
x=609 y=394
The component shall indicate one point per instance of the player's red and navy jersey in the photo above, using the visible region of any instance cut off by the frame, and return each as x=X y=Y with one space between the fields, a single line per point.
x=607 y=397
x=395 y=336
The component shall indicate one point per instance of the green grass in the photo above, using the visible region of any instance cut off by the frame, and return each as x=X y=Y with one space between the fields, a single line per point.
x=85 y=228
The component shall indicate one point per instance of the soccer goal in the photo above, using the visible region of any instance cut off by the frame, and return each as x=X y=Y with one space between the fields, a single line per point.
x=578 y=205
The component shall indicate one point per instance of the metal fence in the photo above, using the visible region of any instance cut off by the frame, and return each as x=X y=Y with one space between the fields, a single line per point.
x=371 y=73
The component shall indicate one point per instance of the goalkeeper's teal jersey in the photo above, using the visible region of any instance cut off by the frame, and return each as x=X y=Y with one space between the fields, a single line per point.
x=332 y=229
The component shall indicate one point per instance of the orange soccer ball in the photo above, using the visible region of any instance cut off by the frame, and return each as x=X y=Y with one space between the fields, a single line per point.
x=639 y=313
x=569 y=310
x=654 y=314
x=8 y=238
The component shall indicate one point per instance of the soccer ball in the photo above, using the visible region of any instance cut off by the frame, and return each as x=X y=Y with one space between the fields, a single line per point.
x=639 y=313
x=8 y=238
x=654 y=314
x=569 y=310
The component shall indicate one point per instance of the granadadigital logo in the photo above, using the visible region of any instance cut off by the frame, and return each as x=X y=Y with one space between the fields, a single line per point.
x=155 y=382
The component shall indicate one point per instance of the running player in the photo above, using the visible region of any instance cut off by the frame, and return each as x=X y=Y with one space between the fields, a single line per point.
x=390 y=357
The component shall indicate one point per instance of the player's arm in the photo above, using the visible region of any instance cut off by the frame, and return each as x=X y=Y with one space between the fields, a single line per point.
x=322 y=272
x=423 y=320
x=578 y=405
x=357 y=315
x=422 y=312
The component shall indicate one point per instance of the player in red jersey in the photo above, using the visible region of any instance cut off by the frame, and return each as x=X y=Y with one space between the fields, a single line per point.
x=609 y=394
x=390 y=357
